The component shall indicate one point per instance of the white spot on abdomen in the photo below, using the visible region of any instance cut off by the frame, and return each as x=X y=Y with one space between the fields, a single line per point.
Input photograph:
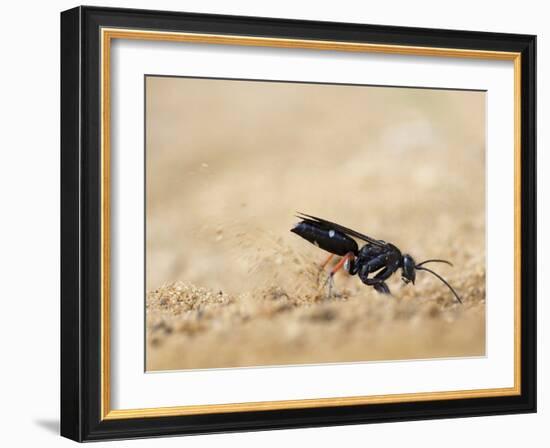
x=331 y=233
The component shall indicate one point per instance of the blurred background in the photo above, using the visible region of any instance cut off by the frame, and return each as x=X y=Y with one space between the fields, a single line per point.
x=230 y=162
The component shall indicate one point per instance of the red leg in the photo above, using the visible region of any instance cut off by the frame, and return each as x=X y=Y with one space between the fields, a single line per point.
x=327 y=261
x=323 y=266
x=340 y=265
x=335 y=269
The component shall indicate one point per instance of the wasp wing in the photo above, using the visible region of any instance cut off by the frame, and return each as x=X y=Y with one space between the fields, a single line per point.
x=331 y=225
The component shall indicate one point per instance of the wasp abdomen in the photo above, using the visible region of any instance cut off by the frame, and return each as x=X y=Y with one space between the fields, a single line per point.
x=330 y=240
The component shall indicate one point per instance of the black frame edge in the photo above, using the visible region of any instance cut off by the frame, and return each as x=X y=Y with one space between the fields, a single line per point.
x=71 y=383
x=529 y=223
x=80 y=224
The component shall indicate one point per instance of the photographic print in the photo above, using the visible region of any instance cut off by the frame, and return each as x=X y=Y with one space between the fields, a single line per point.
x=272 y=223
x=293 y=223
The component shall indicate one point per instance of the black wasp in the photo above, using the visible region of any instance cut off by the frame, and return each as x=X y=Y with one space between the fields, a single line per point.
x=376 y=257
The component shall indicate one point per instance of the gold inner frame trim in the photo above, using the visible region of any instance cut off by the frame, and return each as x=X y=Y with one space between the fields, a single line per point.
x=107 y=35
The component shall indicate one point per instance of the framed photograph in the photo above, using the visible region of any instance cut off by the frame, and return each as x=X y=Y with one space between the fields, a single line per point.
x=272 y=223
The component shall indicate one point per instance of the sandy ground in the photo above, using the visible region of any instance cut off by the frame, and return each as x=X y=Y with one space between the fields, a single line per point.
x=229 y=163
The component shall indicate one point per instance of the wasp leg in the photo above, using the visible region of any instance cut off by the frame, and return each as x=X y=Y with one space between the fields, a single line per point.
x=327 y=261
x=378 y=283
x=323 y=266
x=382 y=288
x=330 y=279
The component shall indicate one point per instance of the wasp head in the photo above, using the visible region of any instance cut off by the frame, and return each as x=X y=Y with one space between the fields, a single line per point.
x=408 y=270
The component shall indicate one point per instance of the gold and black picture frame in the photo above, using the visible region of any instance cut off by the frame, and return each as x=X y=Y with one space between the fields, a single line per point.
x=397 y=129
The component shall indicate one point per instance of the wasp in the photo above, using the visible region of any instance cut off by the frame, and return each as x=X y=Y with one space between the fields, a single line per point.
x=374 y=262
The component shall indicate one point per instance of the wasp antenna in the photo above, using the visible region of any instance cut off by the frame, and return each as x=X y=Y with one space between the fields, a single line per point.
x=443 y=280
x=434 y=260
